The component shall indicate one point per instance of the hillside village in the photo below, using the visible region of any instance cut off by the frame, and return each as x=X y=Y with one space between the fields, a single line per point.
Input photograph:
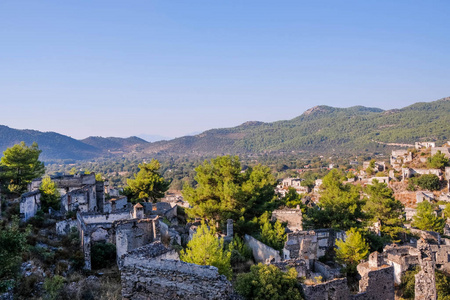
x=148 y=237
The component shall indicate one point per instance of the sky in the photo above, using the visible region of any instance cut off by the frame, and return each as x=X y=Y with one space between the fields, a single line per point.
x=171 y=68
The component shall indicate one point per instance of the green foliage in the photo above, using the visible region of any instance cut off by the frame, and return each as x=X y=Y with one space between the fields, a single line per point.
x=438 y=161
x=426 y=219
x=268 y=282
x=99 y=177
x=352 y=251
x=340 y=205
x=292 y=198
x=240 y=246
x=53 y=286
x=408 y=283
x=206 y=249
x=381 y=205
x=224 y=192
x=50 y=196
x=429 y=182
x=147 y=184
x=13 y=243
x=273 y=235
x=442 y=285
x=103 y=255
x=20 y=165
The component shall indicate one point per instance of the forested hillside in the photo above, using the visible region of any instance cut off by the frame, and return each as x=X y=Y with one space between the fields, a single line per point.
x=321 y=130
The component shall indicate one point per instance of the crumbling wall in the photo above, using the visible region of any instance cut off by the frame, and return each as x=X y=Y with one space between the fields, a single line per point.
x=335 y=289
x=64 y=227
x=378 y=284
x=30 y=203
x=133 y=234
x=261 y=252
x=152 y=277
x=299 y=265
x=425 y=287
x=292 y=216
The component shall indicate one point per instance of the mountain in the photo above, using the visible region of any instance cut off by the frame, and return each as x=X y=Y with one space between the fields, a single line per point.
x=56 y=146
x=52 y=144
x=319 y=130
x=322 y=129
x=114 y=143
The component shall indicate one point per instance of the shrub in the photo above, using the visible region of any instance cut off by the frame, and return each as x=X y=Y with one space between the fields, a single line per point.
x=268 y=282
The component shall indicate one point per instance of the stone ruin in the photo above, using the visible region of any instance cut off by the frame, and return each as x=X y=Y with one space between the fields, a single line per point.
x=125 y=229
x=155 y=272
x=80 y=192
x=425 y=286
x=377 y=283
x=292 y=216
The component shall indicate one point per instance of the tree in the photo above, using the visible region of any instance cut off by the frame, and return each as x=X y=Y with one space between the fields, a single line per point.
x=426 y=219
x=20 y=165
x=13 y=243
x=148 y=184
x=381 y=205
x=438 y=161
x=206 y=249
x=352 y=251
x=224 y=192
x=340 y=206
x=50 y=196
x=273 y=235
x=429 y=182
x=268 y=282
x=292 y=198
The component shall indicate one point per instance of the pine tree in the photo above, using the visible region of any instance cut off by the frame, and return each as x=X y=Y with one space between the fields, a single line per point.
x=20 y=165
x=206 y=249
x=147 y=184
x=50 y=196
x=426 y=219
x=352 y=251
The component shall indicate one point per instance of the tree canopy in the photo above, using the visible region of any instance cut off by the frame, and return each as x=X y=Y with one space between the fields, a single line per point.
x=224 y=192
x=381 y=205
x=426 y=219
x=19 y=166
x=206 y=249
x=353 y=250
x=147 y=184
x=50 y=196
x=438 y=161
x=340 y=205
x=268 y=282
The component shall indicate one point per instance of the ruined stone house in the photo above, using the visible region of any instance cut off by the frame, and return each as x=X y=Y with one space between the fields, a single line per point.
x=424 y=145
x=155 y=272
x=79 y=192
x=126 y=229
x=292 y=216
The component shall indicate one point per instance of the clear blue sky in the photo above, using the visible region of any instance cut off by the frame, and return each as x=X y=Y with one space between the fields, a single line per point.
x=121 y=68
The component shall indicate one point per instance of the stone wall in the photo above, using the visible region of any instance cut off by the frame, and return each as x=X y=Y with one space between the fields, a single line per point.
x=132 y=234
x=261 y=252
x=159 y=275
x=331 y=290
x=30 y=203
x=64 y=227
x=293 y=217
x=310 y=245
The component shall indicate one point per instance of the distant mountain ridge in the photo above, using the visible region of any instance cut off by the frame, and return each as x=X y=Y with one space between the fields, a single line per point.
x=320 y=129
